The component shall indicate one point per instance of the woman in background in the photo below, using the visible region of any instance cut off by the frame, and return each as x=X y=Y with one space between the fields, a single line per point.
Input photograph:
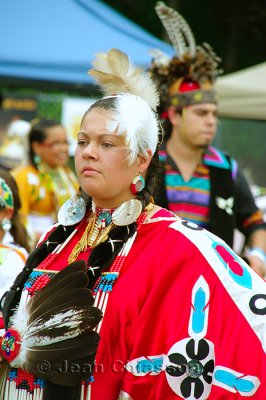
x=14 y=246
x=46 y=182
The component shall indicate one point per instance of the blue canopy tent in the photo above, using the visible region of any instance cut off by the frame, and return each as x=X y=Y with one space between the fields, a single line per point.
x=56 y=40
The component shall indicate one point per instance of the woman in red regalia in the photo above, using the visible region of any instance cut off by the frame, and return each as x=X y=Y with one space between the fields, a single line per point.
x=183 y=316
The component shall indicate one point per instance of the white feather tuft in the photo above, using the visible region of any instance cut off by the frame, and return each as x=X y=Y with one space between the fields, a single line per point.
x=19 y=320
x=161 y=58
x=141 y=133
x=70 y=319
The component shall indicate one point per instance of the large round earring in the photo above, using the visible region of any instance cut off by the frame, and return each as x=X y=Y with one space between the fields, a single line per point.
x=127 y=213
x=72 y=211
x=138 y=184
x=6 y=224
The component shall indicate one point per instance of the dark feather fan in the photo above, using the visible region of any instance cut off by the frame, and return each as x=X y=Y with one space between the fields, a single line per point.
x=55 y=329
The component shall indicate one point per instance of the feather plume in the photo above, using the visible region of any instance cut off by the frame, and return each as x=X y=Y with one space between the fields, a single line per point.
x=136 y=97
x=133 y=128
x=117 y=75
x=56 y=325
x=161 y=58
x=177 y=29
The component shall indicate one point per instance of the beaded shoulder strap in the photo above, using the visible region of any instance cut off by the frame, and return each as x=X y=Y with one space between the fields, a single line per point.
x=104 y=285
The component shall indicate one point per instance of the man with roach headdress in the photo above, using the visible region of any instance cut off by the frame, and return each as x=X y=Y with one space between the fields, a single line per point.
x=200 y=182
x=123 y=300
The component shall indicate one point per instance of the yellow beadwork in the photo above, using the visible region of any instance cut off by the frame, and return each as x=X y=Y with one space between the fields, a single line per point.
x=93 y=235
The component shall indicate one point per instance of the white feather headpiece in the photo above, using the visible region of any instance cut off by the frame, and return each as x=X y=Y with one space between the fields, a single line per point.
x=136 y=98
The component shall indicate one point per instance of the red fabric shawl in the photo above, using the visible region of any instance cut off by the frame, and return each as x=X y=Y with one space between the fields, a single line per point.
x=186 y=320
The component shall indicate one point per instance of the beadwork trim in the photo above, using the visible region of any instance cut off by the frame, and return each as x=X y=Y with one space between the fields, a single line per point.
x=105 y=283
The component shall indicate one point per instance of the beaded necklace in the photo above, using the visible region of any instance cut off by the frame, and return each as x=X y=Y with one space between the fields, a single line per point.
x=103 y=215
x=96 y=231
x=102 y=225
x=45 y=264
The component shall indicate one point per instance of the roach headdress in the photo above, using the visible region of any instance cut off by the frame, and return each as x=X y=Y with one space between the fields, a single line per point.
x=189 y=76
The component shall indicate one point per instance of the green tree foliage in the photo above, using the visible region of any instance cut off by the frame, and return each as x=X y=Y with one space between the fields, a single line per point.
x=236 y=29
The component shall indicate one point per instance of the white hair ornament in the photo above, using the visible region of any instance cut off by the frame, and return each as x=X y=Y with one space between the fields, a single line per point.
x=135 y=119
x=135 y=96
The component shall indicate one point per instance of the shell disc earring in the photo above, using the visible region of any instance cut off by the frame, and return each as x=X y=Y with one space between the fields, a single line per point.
x=127 y=212
x=138 y=184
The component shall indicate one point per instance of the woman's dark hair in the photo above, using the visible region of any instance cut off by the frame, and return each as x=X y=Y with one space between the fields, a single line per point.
x=38 y=134
x=17 y=230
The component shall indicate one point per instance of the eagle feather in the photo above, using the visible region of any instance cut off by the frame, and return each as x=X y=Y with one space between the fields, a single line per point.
x=56 y=325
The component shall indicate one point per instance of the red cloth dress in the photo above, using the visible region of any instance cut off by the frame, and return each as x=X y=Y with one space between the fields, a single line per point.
x=185 y=320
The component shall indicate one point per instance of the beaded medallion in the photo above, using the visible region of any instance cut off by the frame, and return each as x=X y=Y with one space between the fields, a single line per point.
x=10 y=345
x=72 y=211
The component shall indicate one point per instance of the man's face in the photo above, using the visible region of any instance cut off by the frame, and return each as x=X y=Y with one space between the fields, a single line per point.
x=197 y=124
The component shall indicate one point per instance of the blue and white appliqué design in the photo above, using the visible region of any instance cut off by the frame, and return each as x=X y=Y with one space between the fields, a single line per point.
x=190 y=363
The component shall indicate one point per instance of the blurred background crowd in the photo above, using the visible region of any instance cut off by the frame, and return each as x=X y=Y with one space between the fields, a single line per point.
x=44 y=84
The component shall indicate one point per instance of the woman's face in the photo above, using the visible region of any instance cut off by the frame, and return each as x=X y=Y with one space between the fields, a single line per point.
x=54 y=150
x=100 y=159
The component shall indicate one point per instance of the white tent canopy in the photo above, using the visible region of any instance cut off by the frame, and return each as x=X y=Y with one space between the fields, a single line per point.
x=242 y=94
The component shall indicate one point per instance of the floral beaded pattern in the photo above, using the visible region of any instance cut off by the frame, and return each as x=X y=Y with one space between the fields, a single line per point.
x=10 y=344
